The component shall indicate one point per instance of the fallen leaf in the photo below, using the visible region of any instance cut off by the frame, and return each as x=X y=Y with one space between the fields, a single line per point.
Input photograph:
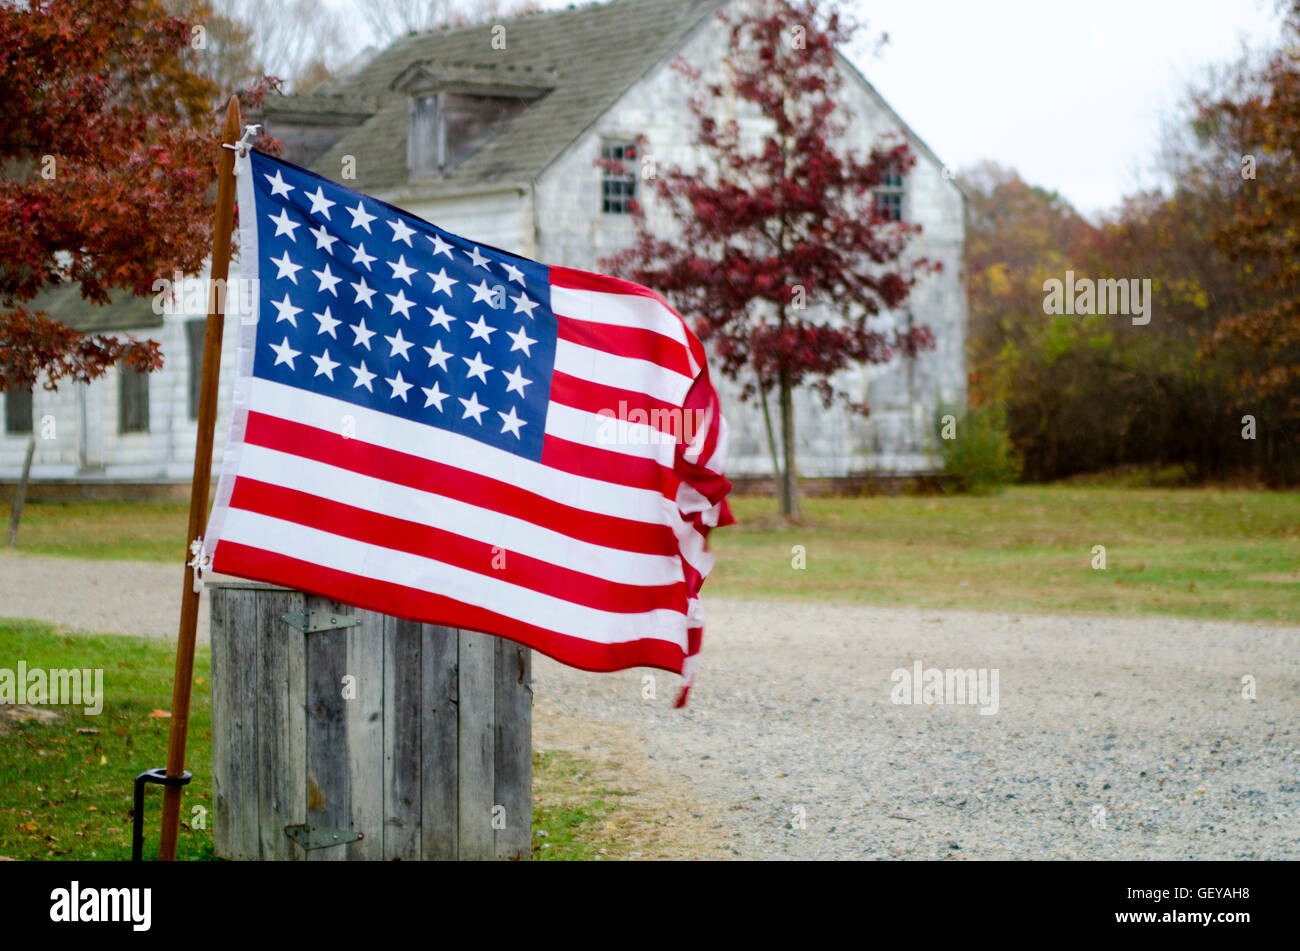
x=160 y=714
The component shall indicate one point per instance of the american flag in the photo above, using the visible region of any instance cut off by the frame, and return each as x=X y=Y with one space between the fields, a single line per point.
x=439 y=430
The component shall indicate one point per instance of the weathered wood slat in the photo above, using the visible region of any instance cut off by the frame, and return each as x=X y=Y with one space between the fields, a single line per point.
x=402 y=745
x=428 y=756
x=365 y=753
x=241 y=674
x=439 y=742
x=477 y=709
x=294 y=781
x=276 y=797
x=328 y=777
x=512 y=751
x=224 y=775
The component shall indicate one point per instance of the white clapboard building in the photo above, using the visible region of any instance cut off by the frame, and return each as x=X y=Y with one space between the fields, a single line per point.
x=495 y=132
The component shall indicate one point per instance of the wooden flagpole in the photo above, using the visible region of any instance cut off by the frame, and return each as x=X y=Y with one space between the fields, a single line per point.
x=183 y=682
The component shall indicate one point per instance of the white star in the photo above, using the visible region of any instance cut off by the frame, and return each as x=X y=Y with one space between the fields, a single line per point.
x=477 y=259
x=399 y=345
x=524 y=305
x=522 y=342
x=285 y=354
x=364 y=377
x=401 y=272
x=400 y=302
x=325 y=366
x=401 y=231
x=511 y=424
x=278 y=185
x=327 y=323
x=323 y=239
x=437 y=355
x=399 y=386
x=364 y=292
x=286 y=268
x=473 y=408
x=476 y=367
x=286 y=310
x=517 y=381
x=440 y=317
x=440 y=246
x=481 y=329
x=284 y=225
x=513 y=273
x=433 y=395
x=327 y=280
x=360 y=218
x=320 y=205
x=359 y=256
x=441 y=282
x=482 y=292
x=363 y=335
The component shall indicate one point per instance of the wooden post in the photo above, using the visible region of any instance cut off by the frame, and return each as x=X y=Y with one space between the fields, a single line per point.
x=389 y=739
x=184 y=678
x=20 y=494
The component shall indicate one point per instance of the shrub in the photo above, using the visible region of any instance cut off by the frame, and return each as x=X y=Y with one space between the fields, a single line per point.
x=980 y=460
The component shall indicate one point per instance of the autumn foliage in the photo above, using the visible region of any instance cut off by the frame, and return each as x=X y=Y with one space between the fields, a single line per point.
x=1210 y=389
x=1260 y=236
x=106 y=139
x=781 y=260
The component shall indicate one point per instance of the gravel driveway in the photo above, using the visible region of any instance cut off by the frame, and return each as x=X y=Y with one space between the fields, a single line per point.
x=105 y=597
x=1114 y=738
x=1143 y=718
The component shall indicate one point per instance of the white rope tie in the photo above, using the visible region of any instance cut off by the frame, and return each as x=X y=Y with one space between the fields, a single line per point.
x=200 y=561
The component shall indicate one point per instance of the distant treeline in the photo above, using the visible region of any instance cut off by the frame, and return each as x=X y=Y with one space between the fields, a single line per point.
x=1206 y=372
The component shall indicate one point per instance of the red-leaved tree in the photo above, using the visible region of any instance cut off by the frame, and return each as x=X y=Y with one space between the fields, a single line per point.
x=1259 y=237
x=783 y=257
x=106 y=140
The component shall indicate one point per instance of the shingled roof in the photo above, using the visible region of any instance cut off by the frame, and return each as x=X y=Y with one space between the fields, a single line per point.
x=586 y=56
x=124 y=311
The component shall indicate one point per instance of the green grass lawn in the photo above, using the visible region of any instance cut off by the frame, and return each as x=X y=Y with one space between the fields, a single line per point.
x=120 y=531
x=66 y=785
x=66 y=779
x=1191 y=552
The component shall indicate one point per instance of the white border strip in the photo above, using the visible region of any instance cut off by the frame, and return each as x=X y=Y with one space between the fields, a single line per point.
x=245 y=344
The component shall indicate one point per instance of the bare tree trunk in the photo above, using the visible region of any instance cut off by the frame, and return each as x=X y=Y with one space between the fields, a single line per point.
x=20 y=496
x=771 y=436
x=789 y=476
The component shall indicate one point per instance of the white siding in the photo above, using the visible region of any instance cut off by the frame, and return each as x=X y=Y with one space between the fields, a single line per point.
x=87 y=442
x=898 y=437
x=500 y=219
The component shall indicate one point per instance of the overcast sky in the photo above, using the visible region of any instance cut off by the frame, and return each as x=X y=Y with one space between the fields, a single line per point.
x=1069 y=92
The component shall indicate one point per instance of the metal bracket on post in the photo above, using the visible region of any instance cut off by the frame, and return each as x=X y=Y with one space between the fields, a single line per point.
x=313 y=622
x=312 y=838
x=158 y=777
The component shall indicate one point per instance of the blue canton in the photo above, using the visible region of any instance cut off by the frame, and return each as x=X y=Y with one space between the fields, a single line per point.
x=372 y=306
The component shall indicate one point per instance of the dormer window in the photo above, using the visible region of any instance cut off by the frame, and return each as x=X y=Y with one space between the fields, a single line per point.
x=425 y=142
x=454 y=111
